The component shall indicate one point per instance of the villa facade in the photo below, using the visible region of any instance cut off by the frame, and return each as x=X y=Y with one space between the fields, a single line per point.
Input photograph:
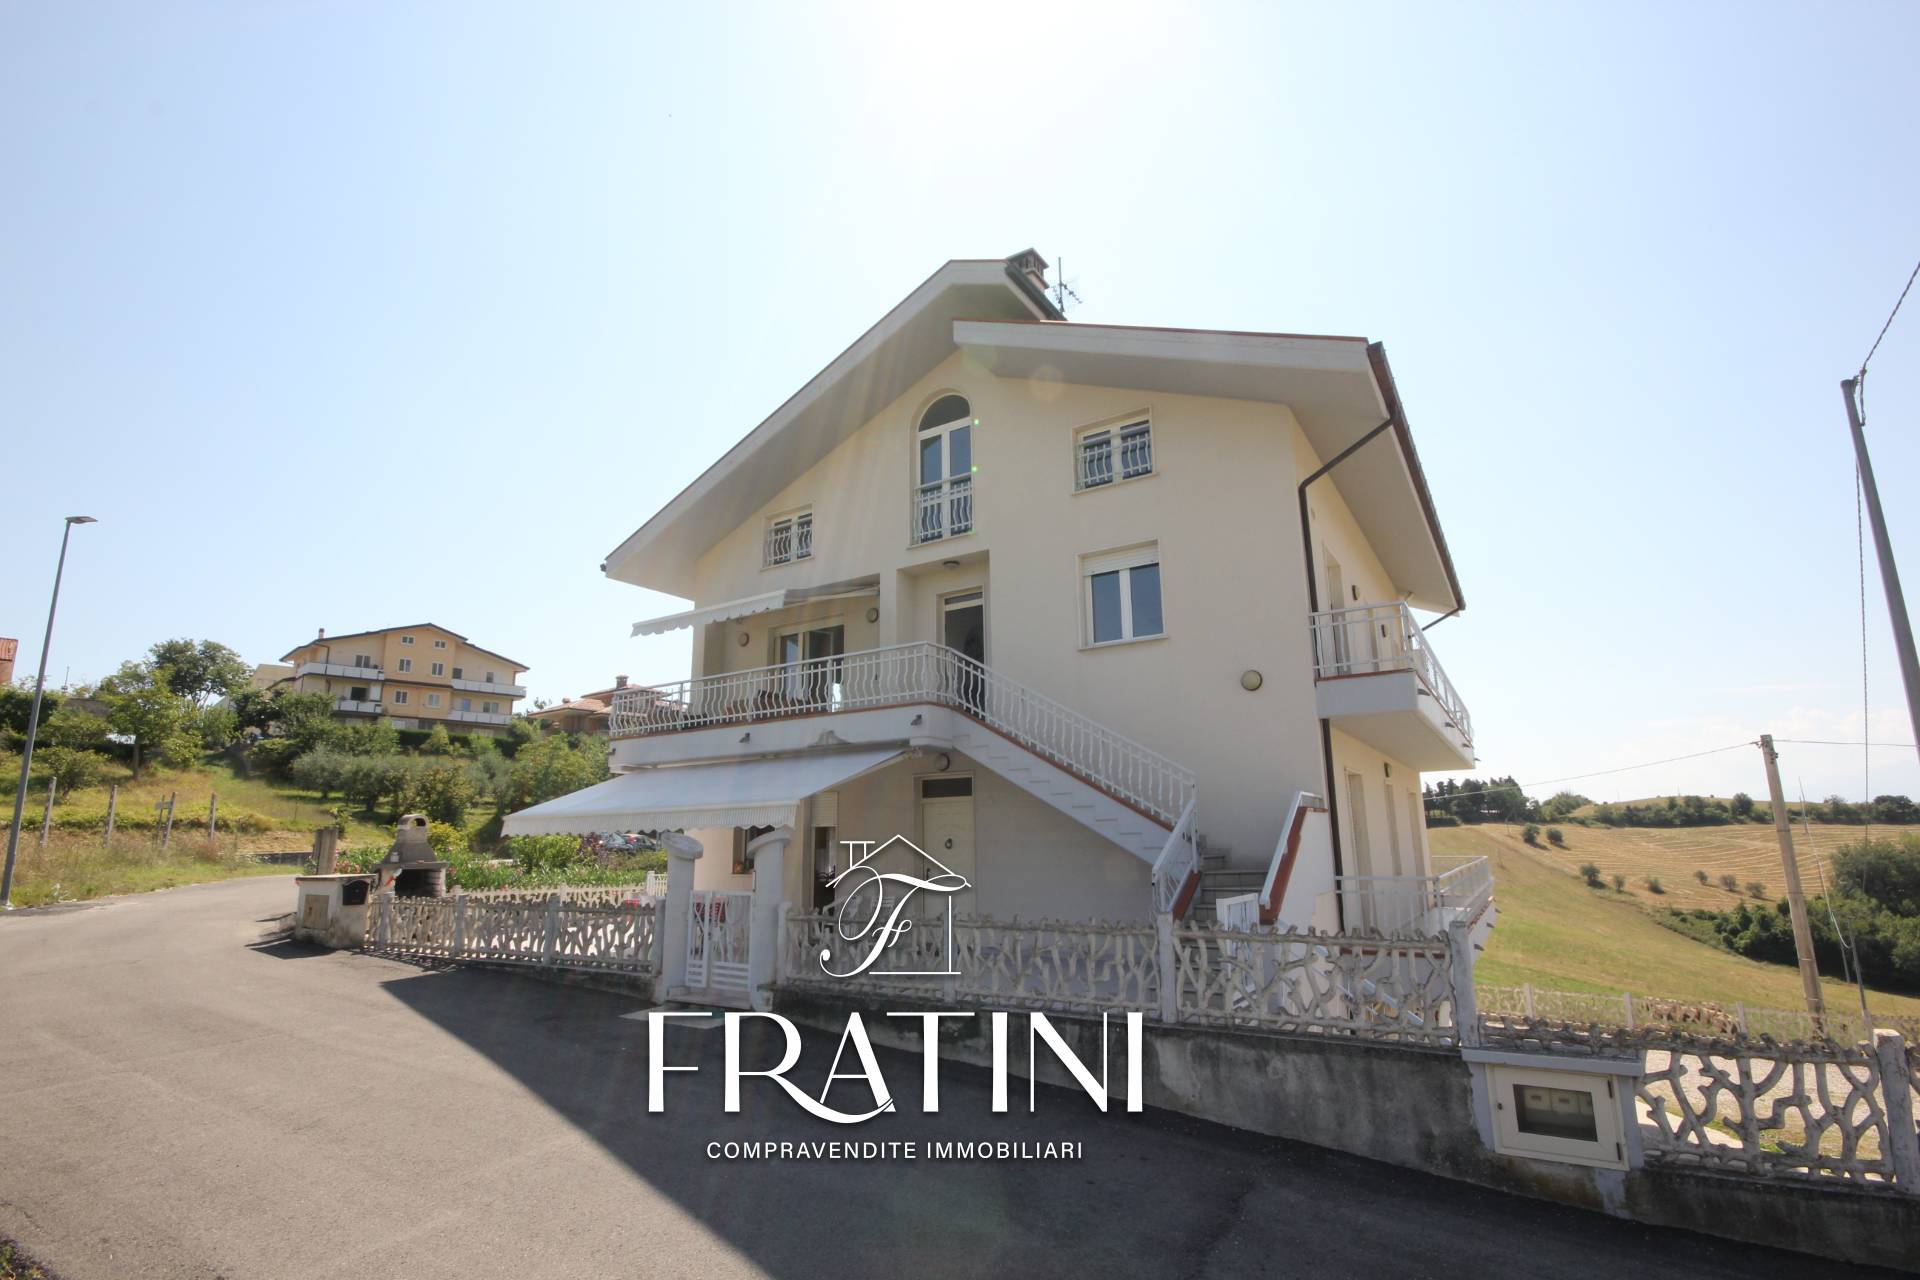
x=1113 y=621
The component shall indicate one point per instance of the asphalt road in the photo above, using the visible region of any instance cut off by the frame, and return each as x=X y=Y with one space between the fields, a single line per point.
x=179 y=1100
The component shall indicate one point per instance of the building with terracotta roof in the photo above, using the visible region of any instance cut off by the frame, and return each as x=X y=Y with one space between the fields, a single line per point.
x=417 y=676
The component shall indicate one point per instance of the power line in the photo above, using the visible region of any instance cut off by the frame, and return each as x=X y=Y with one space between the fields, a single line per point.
x=1889 y=324
x=1822 y=742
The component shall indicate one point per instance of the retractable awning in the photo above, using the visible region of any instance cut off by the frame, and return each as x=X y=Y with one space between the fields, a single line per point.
x=747 y=793
x=766 y=602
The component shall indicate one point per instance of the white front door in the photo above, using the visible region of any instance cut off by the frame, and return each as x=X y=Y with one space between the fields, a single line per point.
x=946 y=833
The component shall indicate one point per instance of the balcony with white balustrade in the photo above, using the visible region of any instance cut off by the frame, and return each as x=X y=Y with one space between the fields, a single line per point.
x=339 y=670
x=498 y=687
x=1377 y=678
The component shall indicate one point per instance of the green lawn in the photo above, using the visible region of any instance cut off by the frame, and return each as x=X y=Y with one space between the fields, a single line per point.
x=1560 y=935
x=255 y=815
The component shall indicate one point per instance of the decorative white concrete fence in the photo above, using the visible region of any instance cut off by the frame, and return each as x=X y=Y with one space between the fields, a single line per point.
x=550 y=931
x=593 y=895
x=1254 y=980
x=1815 y=1110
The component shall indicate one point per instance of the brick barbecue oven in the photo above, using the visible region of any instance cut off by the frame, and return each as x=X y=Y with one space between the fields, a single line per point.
x=409 y=868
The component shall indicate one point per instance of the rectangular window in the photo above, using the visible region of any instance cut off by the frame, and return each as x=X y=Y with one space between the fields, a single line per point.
x=439 y=668
x=439 y=644
x=492 y=707
x=402 y=697
x=1105 y=454
x=362 y=660
x=1122 y=595
x=406 y=664
x=789 y=538
x=456 y=673
x=433 y=699
x=466 y=704
x=406 y=639
x=490 y=679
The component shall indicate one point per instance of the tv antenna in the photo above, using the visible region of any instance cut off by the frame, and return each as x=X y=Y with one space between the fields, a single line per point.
x=1063 y=291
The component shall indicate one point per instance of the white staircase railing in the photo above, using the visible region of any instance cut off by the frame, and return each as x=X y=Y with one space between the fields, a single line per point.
x=908 y=673
x=1416 y=904
x=1303 y=802
x=1179 y=862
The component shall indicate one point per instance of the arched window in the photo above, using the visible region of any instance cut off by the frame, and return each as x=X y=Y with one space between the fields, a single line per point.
x=943 y=502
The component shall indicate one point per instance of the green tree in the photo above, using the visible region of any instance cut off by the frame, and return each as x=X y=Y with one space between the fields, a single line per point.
x=554 y=767
x=73 y=769
x=141 y=706
x=438 y=743
x=16 y=706
x=72 y=727
x=199 y=670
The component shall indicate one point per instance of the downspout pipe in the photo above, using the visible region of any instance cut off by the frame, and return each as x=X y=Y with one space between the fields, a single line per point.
x=1443 y=617
x=1313 y=607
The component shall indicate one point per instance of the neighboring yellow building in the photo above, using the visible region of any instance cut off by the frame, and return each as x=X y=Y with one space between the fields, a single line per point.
x=417 y=676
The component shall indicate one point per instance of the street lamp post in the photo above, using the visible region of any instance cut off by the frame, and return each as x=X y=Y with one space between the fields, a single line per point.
x=33 y=719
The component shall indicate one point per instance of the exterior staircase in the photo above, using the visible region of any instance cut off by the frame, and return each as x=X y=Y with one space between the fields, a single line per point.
x=1085 y=803
x=1219 y=878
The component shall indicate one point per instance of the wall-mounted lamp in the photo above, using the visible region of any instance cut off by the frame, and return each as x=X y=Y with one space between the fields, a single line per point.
x=949 y=564
x=873 y=613
x=943 y=762
x=1251 y=680
x=744 y=639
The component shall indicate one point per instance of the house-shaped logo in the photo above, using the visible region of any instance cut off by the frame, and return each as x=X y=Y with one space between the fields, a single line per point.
x=873 y=912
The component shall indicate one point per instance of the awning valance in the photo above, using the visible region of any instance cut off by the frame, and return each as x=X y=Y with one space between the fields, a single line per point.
x=766 y=602
x=746 y=793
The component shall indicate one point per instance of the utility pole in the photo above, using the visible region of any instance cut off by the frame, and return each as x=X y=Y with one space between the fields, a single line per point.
x=1889 y=573
x=33 y=717
x=1796 y=900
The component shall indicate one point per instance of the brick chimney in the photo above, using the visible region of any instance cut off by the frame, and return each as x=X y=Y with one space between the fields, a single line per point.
x=322 y=635
x=1031 y=265
x=619 y=682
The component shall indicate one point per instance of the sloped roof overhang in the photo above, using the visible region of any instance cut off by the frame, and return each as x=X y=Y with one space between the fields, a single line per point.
x=880 y=366
x=1338 y=389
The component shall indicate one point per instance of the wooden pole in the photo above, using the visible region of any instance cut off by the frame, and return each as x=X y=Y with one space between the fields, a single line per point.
x=113 y=798
x=166 y=834
x=1796 y=900
x=213 y=809
x=46 y=819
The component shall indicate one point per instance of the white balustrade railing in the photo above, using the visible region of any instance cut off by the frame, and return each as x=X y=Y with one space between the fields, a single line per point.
x=1416 y=904
x=942 y=509
x=1303 y=802
x=1369 y=638
x=908 y=673
x=1179 y=861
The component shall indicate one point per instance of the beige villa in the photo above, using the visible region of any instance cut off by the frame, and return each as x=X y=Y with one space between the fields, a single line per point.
x=417 y=676
x=1114 y=621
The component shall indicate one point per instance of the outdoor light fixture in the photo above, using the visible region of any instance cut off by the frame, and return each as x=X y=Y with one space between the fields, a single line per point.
x=1251 y=680
x=873 y=613
x=949 y=564
x=744 y=638
x=943 y=762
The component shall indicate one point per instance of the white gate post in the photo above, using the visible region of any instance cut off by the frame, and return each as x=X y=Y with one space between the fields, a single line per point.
x=1903 y=1144
x=1466 y=1007
x=780 y=945
x=1169 y=969
x=769 y=855
x=682 y=852
x=386 y=917
x=551 y=945
x=459 y=923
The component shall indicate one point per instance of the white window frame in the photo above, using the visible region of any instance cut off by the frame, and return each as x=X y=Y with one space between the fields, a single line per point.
x=433 y=700
x=439 y=644
x=1122 y=561
x=789 y=538
x=490 y=679
x=466 y=704
x=406 y=664
x=491 y=708
x=1119 y=435
x=401 y=697
x=438 y=668
x=950 y=497
x=406 y=639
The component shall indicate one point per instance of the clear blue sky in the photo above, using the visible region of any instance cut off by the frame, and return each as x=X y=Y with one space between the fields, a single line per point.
x=352 y=315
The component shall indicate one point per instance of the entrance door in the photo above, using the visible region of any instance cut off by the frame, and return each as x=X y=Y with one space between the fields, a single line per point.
x=963 y=622
x=946 y=833
x=1341 y=657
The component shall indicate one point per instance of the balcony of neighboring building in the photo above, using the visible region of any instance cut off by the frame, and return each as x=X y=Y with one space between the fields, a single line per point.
x=479 y=717
x=1377 y=678
x=496 y=686
x=358 y=706
x=341 y=670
